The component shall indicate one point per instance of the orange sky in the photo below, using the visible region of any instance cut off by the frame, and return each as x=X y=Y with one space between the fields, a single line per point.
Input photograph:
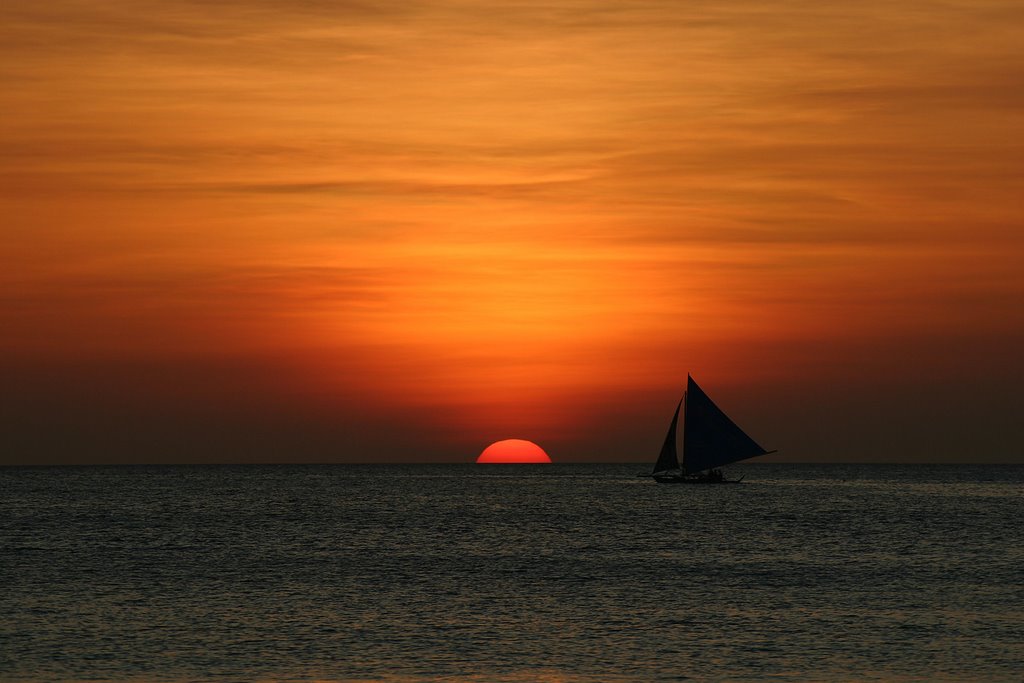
x=353 y=231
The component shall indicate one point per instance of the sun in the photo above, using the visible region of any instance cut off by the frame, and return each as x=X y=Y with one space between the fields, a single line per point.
x=518 y=451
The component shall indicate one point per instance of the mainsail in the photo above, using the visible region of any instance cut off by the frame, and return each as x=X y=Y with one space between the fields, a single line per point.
x=710 y=438
x=668 y=461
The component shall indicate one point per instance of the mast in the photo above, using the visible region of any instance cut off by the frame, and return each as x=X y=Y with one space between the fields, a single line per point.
x=686 y=401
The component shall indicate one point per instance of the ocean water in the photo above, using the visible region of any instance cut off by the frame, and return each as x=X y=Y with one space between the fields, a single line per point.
x=558 y=573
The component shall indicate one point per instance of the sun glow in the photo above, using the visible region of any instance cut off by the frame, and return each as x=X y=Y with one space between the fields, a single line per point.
x=514 y=451
x=448 y=213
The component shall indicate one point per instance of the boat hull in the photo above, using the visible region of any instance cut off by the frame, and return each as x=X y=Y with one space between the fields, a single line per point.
x=694 y=480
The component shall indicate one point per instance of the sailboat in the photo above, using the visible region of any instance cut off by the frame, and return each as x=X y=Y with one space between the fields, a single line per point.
x=710 y=441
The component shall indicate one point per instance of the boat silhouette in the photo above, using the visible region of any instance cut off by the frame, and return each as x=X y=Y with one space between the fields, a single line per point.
x=711 y=440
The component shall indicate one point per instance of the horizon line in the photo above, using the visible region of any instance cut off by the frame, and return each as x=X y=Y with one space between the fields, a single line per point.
x=448 y=462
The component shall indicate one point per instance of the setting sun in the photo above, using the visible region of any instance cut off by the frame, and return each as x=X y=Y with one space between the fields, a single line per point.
x=514 y=451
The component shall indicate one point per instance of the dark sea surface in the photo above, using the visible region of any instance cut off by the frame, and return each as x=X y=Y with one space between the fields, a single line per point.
x=510 y=573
